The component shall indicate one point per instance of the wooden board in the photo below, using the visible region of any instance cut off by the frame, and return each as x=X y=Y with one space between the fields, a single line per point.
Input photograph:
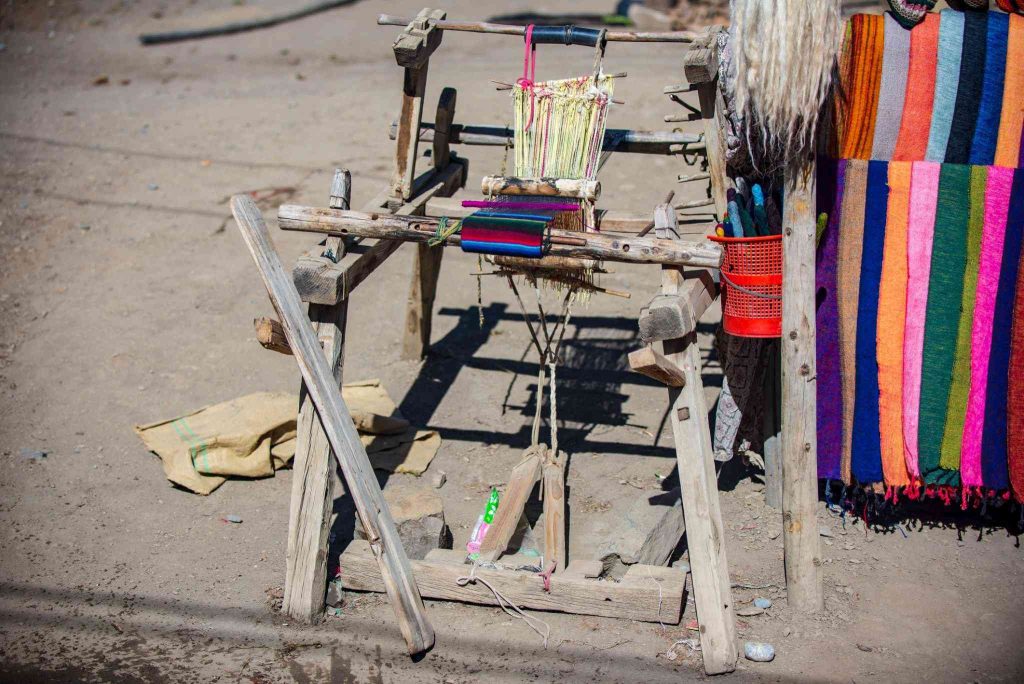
x=555 y=534
x=647 y=593
x=654 y=365
x=511 y=504
x=699 y=484
x=799 y=396
x=341 y=433
x=312 y=495
x=270 y=335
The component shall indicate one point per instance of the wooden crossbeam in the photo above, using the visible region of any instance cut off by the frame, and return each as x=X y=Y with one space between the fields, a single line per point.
x=654 y=365
x=646 y=593
x=630 y=249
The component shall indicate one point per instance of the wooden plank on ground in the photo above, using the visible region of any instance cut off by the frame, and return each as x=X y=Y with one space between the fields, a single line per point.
x=336 y=420
x=647 y=593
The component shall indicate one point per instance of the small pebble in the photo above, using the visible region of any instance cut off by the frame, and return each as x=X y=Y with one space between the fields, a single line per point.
x=824 y=531
x=440 y=479
x=750 y=612
x=153 y=186
x=761 y=602
x=759 y=652
x=232 y=519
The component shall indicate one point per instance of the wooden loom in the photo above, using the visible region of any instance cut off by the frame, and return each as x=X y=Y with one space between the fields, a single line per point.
x=408 y=211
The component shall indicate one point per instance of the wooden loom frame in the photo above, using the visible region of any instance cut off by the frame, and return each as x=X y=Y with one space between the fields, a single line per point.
x=327 y=275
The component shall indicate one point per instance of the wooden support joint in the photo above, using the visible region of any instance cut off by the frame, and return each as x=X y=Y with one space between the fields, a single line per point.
x=656 y=366
x=701 y=62
x=270 y=335
x=675 y=316
x=419 y=39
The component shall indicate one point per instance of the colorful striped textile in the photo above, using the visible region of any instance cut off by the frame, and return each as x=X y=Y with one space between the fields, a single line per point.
x=851 y=240
x=956 y=407
x=921 y=355
x=863 y=54
x=1011 y=122
x=948 y=90
x=945 y=291
x=993 y=443
x=986 y=130
x=924 y=189
x=997 y=202
x=830 y=185
x=893 y=88
x=867 y=454
x=917 y=106
x=892 y=311
x=509 y=233
x=947 y=75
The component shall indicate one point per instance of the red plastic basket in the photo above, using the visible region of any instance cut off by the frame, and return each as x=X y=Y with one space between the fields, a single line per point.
x=752 y=285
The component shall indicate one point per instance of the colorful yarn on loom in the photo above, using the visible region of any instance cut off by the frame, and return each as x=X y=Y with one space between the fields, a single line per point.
x=945 y=369
x=505 y=233
x=950 y=94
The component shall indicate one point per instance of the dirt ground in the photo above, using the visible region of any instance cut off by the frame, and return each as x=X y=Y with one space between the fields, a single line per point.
x=127 y=296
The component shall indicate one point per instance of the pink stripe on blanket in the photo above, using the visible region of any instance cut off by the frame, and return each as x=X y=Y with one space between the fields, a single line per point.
x=924 y=189
x=997 y=201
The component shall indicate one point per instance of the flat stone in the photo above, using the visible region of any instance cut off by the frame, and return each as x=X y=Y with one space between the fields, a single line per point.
x=648 y=533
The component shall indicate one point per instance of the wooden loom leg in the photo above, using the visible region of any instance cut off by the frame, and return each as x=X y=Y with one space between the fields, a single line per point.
x=419 y=313
x=702 y=515
x=312 y=500
x=555 y=536
x=799 y=395
x=513 y=501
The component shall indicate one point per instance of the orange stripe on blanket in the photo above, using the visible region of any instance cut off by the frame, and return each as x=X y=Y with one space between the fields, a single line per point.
x=862 y=86
x=892 y=306
x=915 y=125
x=1012 y=119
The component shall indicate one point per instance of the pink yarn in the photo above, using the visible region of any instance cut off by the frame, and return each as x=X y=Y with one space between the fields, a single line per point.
x=924 y=192
x=997 y=201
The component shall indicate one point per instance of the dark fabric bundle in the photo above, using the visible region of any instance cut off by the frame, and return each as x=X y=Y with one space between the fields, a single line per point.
x=509 y=234
x=867 y=453
x=1015 y=399
x=993 y=445
x=968 y=94
x=831 y=180
x=945 y=292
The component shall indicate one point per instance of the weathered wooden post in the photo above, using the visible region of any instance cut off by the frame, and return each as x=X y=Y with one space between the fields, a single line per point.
x=799 y=393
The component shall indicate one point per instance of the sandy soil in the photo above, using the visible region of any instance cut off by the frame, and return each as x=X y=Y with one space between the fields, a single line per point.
x=127 y=297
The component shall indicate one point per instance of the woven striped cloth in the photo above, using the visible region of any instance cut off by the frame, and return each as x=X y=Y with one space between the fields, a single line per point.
x=947 y=76
x=892 y=89
x=993 y=445
x=986 y=130
x=892 y=311
x=830 y=185
x=969 y=88
x=956 y=406
x=867 y=454
x=916 y=119
x=924 y=188
x=945 y=291
x=997 y=202
x=1011 y=121
x=506 y=233
x=851 y=242
x=862 y=55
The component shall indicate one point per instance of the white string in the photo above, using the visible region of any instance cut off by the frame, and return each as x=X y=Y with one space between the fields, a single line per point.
x=506 y=605
x=657 y=582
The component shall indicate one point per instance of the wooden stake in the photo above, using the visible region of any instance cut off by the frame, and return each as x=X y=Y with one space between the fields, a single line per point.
x=799 y=395
x=336 y=420
x=312 y=496
x=270 y=335
x=555 y=537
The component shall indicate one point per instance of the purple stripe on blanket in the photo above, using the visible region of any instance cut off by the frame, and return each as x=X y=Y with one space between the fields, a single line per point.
x=831 y=181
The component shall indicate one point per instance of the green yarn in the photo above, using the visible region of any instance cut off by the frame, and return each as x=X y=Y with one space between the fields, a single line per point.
x=960 y=387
